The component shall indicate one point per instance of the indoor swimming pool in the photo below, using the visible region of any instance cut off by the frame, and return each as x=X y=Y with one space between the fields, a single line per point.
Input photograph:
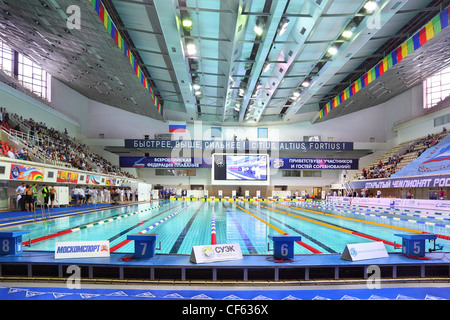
x=324 y=228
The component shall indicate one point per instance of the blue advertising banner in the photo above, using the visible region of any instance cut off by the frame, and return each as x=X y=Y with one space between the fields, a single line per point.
x=238 y=145
x=431 y=181
x=276 y=163
x=313 y=163
x=433 y=160
x=163 y=162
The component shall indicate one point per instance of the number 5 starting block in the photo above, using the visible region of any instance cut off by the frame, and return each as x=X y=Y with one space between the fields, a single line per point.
x=413 y=245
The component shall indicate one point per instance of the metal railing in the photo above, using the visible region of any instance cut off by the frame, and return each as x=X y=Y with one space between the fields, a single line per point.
x=42 y=209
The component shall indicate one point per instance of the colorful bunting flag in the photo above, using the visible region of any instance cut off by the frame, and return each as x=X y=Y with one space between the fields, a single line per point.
x=118 y=39
x=431 y=29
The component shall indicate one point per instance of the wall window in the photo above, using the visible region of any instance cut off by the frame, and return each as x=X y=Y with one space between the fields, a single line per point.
x=311 y=138
x=437 y=88
x=439 y=121
x=175 y=172
x=30 y=75
x=6 y=59
x=263 y=133
x=290 y=173
x=216 y=132
x=33 y=77
x=312 y=173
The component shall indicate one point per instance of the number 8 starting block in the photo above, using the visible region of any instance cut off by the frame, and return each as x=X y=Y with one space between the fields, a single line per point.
x=283 y=246
x=11 y=242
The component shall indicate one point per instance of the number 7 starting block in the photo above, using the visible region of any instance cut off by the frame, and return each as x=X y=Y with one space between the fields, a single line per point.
x=144 y=245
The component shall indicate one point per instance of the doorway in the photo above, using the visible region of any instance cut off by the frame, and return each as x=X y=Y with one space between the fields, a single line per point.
x=317 y=193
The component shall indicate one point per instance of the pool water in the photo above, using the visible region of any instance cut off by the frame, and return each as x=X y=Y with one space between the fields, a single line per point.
x=182 y=224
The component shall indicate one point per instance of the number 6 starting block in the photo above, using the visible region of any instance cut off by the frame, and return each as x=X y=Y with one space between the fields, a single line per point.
x=11 y=242
x=283 y=246
x=144 y=245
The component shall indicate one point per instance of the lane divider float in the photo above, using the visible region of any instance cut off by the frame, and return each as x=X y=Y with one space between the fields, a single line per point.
x=307 y=246
x=121 y=244
x=81 y=227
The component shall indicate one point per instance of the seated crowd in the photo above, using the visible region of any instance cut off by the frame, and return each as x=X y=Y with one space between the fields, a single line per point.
x=395 y=162
x=57 y=146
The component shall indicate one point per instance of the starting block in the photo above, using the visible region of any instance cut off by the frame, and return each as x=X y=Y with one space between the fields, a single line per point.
x=11 y=242
x=283 y=246
x=144 y=245
x=413 y=245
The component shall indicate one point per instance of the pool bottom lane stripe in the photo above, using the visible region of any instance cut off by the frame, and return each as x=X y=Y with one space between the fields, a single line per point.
x=89 y=225
x=320 y=244
x=121 y=244
x=440 y=236
x=247 y=241
x=176 y=246
x=307 y=246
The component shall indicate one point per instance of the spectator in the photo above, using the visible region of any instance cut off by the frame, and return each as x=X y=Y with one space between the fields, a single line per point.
x=11 y=154
x=441 y=194
x=20 y=193
x=53 y=194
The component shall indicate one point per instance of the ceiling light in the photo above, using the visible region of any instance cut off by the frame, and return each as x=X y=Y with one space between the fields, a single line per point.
x=347 y=33
x=191 y=48
x=187 y=24
x=295 y=95
x=305 y=84
x=198 y=92
x=283 y=25
x=196 y=87
x=258 y=30
x=259 y=25
x=370 y=6
x=332 y=50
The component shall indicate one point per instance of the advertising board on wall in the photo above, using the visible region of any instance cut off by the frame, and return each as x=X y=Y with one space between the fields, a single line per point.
x=221 y=145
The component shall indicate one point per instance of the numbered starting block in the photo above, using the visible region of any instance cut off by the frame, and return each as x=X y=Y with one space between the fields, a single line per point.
x=144 y=245
x=11 y=242
x=413 y=245
x=283 y=246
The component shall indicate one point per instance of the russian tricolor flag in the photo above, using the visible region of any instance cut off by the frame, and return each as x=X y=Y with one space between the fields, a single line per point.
x=177 y=126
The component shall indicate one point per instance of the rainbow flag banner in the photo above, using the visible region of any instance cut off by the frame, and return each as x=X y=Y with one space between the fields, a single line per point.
x=431 y=29
x=117 y=37
x=26 y=173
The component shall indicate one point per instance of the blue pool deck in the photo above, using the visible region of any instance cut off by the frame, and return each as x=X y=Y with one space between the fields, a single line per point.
x=251 y=267
x=176 y=267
